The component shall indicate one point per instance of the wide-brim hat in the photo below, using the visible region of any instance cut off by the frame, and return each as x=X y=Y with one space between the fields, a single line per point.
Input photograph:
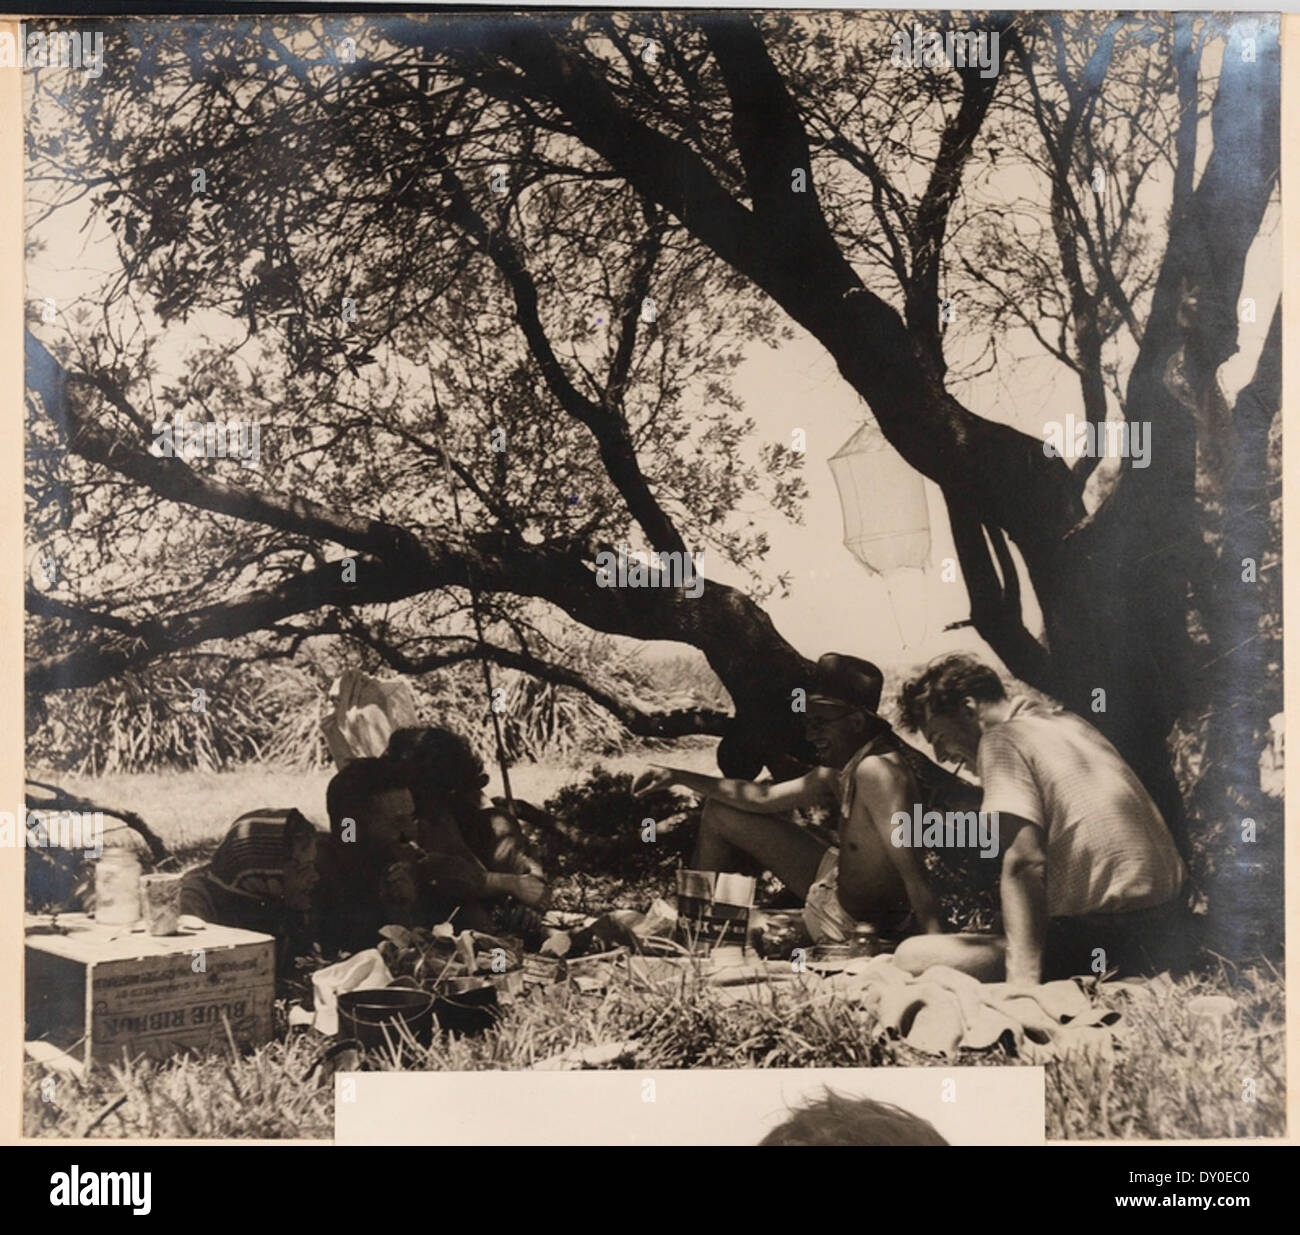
x=847 y=680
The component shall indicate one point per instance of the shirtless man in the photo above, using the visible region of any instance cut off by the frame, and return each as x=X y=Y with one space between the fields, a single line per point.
x=861 y=778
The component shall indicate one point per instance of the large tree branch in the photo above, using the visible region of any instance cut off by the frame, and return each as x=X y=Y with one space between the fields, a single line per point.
x=605 y=421
x=930 y=222
x=1069 y=221
x=61 y=800
x=995 y=604
x=80 y=619
x=93 y=662
x=1033 y=497
x=636 y=718
x=558 y=572
x=1067 y=218
x=658 y=166
x=766 y=128
x=173 y=478
x=645 y=255
x=1193 y=319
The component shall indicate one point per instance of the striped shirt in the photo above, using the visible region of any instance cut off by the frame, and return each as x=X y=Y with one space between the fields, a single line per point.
x=1108 y=849
x=243 y=883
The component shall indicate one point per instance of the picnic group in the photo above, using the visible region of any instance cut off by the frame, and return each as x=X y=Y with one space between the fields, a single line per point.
x=1087 y=865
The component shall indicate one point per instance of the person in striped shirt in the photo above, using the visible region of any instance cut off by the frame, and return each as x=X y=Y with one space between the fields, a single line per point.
x=261 y=878
x=274 y=872
x=1091 y=880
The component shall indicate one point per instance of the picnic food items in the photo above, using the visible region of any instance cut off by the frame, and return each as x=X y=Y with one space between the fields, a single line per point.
x=779 y=934
x=117 y=888
x=160 y=896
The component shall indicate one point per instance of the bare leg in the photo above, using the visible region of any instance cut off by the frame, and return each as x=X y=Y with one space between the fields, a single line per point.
x=981 y=956
x=790 y=852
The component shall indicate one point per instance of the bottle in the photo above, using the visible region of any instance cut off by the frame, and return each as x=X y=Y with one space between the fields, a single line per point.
x=117 y=888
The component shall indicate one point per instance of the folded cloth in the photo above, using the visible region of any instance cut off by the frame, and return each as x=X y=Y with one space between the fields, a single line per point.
x=943 y=1011
x=365 y=971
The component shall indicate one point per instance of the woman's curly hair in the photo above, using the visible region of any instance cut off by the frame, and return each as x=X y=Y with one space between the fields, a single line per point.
x=435 y=761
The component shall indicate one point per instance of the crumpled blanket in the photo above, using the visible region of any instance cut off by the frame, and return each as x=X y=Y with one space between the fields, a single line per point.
x=943 y=1011
x=366 y=711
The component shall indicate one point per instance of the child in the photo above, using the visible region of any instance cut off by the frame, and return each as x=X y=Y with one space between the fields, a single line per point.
x=837 y=1120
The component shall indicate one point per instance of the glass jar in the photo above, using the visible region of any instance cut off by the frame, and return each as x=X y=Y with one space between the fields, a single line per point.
x=117 y=888
x=866 y=940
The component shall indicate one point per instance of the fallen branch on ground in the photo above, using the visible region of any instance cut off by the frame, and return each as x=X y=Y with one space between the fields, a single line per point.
x=61 y=799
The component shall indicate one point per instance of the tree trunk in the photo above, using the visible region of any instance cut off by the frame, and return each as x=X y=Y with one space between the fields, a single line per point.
x=1115 y=621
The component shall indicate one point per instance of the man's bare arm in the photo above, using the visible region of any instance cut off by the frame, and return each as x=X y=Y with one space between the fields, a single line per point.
x=815 y=788
x=1023 y=889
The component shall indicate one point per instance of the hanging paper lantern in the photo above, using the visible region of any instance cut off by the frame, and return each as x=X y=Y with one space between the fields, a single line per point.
x=886 y=519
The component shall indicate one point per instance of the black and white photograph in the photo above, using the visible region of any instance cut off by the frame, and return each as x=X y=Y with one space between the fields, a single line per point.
x=653 y=541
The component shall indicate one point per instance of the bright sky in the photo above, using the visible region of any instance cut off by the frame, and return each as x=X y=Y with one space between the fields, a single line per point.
x=835 y=603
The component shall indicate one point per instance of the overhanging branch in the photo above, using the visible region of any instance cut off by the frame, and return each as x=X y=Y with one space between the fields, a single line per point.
x=637 y=719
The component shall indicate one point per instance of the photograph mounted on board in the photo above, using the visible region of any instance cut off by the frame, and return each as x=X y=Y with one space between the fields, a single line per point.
x=653 y=540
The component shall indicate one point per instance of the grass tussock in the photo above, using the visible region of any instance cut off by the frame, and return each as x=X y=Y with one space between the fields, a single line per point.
x=1176 y=1077
x=275 y=1092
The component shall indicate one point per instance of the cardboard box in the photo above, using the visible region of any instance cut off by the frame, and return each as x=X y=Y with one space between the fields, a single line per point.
x=94 y=992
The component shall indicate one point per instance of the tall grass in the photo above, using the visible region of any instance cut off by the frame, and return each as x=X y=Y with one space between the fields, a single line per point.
x=278 y=1091
x=1165 y=1079
x=270 y=713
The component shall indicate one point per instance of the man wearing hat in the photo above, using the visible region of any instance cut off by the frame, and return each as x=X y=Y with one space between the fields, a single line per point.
x=860 y=778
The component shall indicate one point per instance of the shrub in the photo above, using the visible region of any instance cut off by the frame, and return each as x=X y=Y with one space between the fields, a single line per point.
x=600 y=827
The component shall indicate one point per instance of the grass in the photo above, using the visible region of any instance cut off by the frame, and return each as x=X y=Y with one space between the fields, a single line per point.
x=274 y=1092
x=1162 y=1083
x=1178 y=1078
x=1168 y=1078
